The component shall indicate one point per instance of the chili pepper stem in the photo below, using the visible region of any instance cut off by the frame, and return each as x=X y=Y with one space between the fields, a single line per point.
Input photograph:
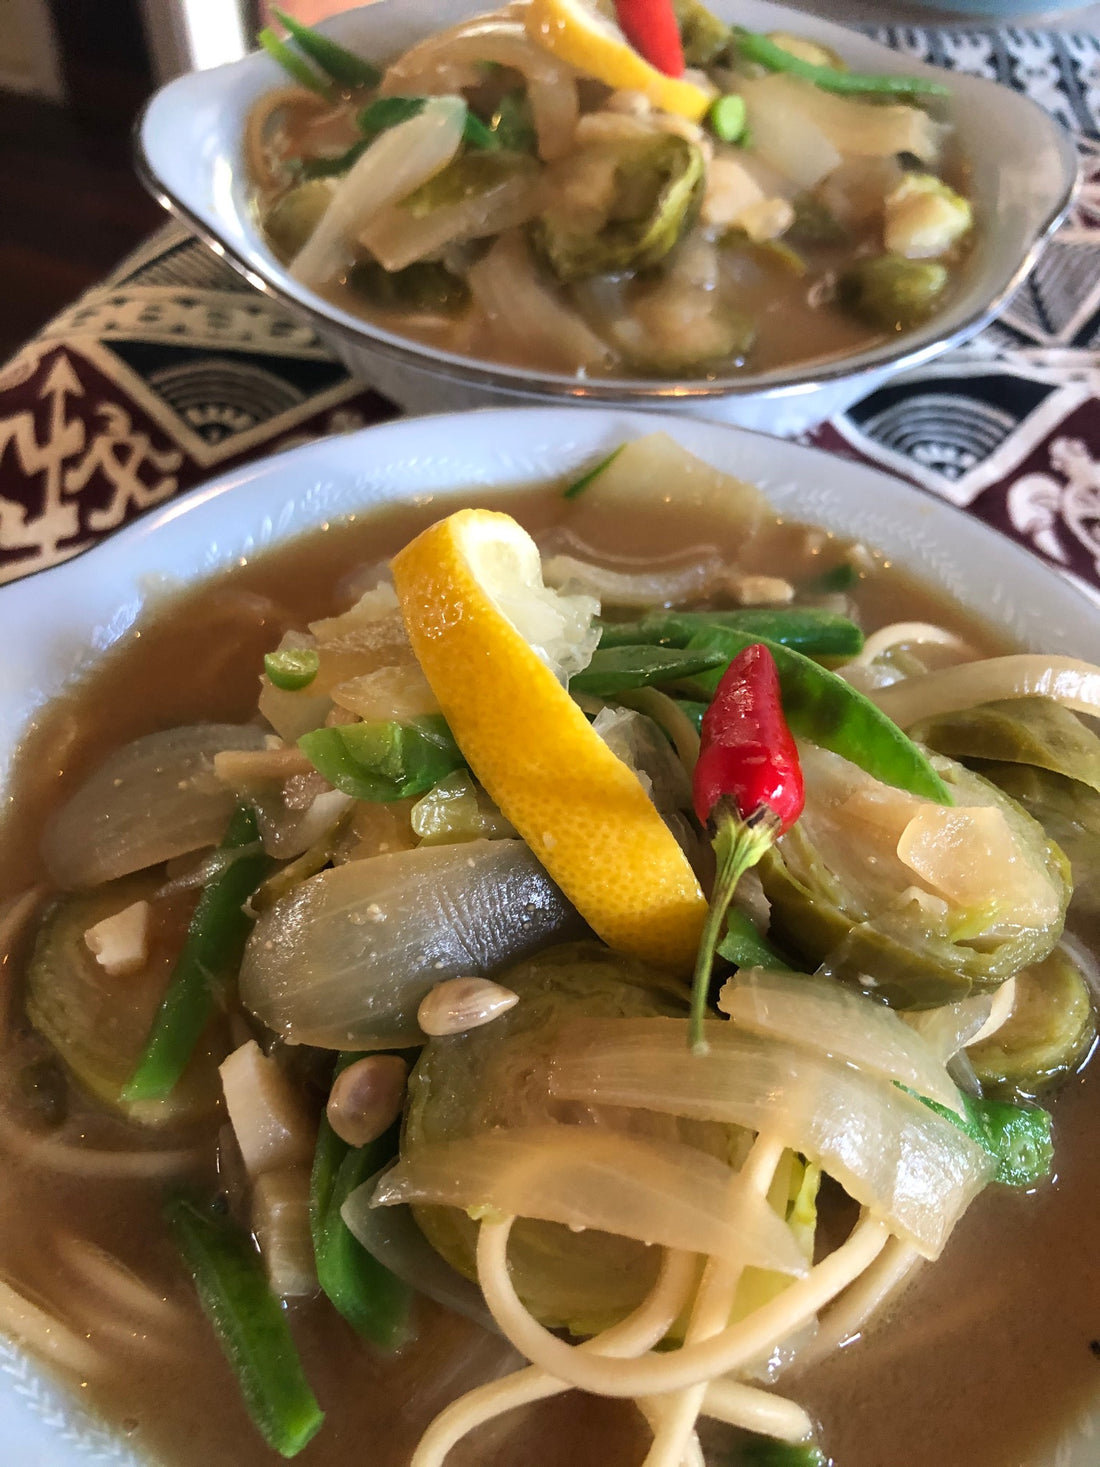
x=738 y=846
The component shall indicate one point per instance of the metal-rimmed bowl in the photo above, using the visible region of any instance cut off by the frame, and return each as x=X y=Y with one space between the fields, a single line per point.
x=1024 y=170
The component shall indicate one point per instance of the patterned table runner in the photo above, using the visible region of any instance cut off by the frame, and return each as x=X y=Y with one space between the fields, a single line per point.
x=175 y=369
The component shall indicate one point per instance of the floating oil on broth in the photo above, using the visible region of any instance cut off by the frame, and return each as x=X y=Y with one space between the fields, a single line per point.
x=985 y=1358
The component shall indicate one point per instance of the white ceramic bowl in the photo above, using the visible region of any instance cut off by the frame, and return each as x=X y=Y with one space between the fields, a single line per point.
x=1024 y=173
x=59 y=622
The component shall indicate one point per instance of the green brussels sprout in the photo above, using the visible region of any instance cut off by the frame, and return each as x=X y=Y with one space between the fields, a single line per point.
x=98 y=1022
x=843 y=901
x=470 y=1082
x=814 y=223
x=425 y=286
x=703 y=35
x=1049 y=1031
x=1069 y=812
x=292 y=218
x=1034 y=731
x=469 y=175
x=891 y=292
x=654 y=186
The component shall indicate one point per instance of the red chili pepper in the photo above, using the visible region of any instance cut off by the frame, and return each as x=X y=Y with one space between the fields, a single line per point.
x=747 y=788
x=652 y=29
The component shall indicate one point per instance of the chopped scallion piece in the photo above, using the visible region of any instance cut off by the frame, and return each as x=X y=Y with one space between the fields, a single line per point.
x=578 y=486
x=343 y=66
x=765 y=52
x=384 y=761
x=727 y=118
x=293 y=64
x=292 y=668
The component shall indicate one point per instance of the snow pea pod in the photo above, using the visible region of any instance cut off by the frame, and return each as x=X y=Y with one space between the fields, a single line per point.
x=822 y=707
x=745 y=946
x=813 y=631
x=618 y=669
x=249 y=1323
x=1017 y=1137
x=384 y=761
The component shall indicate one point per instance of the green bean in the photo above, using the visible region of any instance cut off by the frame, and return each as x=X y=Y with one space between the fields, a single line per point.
x=727 y=118
x=373 y=1301
x=384 y=761
x=813 y=631
x=745 y=947
x=210 y=957
x=343 y=66
x=765 y=52
x=292 y=668
x=294 y=66
x=693 y=711
x=825 y=709
x=578 y=486
x=249 y=1323
x=618 y=669
x=766 y=1451
x=1017 y=1137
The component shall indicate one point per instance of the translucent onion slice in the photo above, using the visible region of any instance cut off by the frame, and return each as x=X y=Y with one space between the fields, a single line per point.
x=396 y=238
x=952 y=1026
x=825 y=1015
x=640 y=589
x=546 y=327
x=343 y=961
x=153 y=799
x=587 y=1177
x=909 y=1165
x=392 y=167
x=1068 y=681
x=454 y=58
x=391 y=1235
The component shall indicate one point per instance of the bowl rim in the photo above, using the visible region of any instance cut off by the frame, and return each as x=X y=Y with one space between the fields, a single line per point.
x=265 y=274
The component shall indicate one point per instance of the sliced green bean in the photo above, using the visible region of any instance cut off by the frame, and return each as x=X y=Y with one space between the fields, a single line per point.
x=822 y=707
x=1017 y=1137
x=766 y=53
x=209 y=959
x=384 y=761
x=745 y=946
x=578 y=486
x=373 y=1301
x=343 y=66
x=293 y=64
x=249 y=1323
x=813 y=631
x=766 y=1451
x=292 y=668
x=619 y=669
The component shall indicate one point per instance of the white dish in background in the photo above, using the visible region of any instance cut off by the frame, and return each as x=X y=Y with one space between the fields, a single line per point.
x=58 y=622
x=1024 y=169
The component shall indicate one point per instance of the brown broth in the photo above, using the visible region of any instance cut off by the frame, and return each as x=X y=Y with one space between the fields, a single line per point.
x=986 y=1359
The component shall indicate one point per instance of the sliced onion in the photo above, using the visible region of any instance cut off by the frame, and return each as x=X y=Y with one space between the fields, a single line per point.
x=587 y=1177
x=526 y=316
x=852 y=128
x=393 y=166
x=396 y=238
x=391 y=1235
x=344 y=961
x=825 y=1015
x=909 y=1165
x=1068 y=681
x=634 y=589
x=452 y=59
x=153 y=799
x=910 y=633
x=952 y=1026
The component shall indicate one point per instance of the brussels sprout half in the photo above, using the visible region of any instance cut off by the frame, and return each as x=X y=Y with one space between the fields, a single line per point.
x=868 y=922
x=470 y=1082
